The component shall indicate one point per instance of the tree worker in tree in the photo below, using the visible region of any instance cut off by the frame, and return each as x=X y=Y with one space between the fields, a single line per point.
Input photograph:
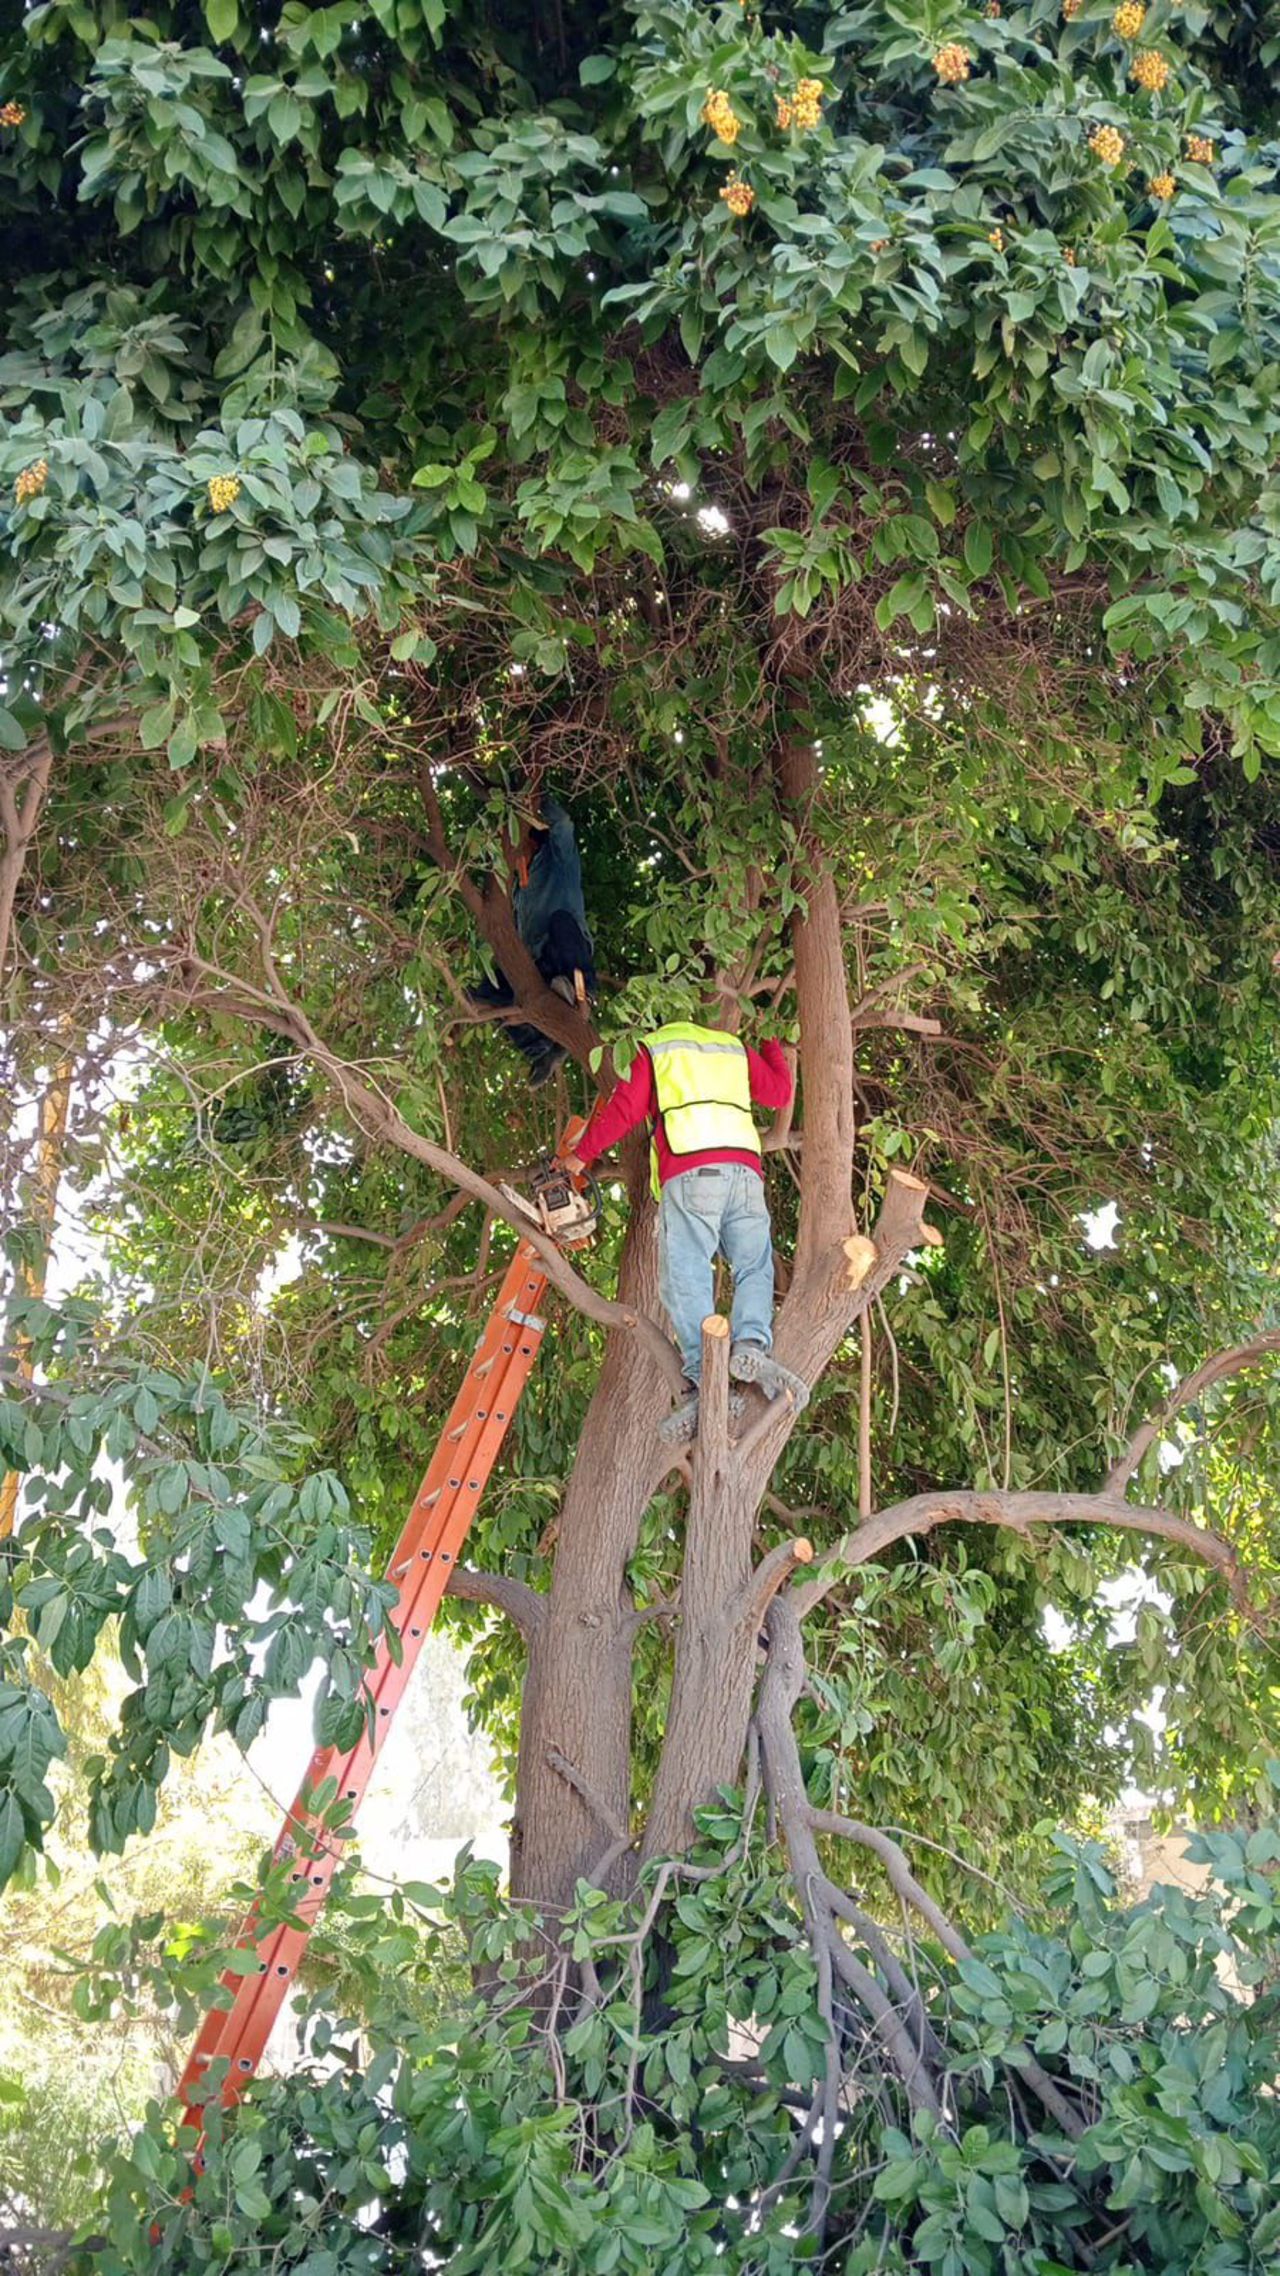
x=551 y=919
x=696 y=1087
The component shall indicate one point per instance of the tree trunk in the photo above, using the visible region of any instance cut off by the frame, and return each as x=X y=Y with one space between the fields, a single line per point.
x=573 y=1789
x=54 y=1109
x=715 y=1656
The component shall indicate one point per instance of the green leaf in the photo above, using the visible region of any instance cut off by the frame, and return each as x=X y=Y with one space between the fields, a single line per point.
x=595 y=69
x=978 y=548
x=223 y=18
x=13 y=736
x=183 y=742
x=12 y=1833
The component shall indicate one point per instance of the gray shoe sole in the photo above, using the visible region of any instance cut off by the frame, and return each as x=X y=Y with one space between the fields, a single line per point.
x=748 y=1364
x=680 y=1427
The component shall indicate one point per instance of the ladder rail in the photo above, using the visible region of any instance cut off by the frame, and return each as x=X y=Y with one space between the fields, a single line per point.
x=422 y=1561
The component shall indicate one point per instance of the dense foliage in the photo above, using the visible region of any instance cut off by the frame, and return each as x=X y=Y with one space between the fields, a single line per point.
x=470 y=2136
x=403 y=403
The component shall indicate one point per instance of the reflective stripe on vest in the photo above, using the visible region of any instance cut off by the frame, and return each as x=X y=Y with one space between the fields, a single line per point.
x=703 y=1087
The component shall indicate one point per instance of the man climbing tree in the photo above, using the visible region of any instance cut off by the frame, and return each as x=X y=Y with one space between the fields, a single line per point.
x=551 y=920
x=694 y=1086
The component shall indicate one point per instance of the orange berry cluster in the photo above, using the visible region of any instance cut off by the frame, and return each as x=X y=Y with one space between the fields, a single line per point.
x=31 y=481
x=1107 y=144
x=719 y=114
x=224 y=489
x=1200 y=149
x=996 y=237
x=1151 y=70
x=738 y=196
x=1162 y=186
x=11 y=114
x=1070 y=256
x=952 y=63
x=1128 y=19
x=1071 y=9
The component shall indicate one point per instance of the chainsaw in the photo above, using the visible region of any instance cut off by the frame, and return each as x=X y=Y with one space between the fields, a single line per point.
x=553 y=1202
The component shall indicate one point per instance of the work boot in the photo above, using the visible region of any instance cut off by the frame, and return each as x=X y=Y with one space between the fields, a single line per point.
x=681 y=1425
x=751 y=1363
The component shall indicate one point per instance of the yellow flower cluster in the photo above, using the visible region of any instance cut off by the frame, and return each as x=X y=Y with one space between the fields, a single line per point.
x=1151 y=70
x=952 y=63
x=719 y=114
x=1070 y=256
x=1200 y=149
x=1128 y=19
x=738 y=196
x=1162 y=186
x=224 y=489
x=1071 y=9
x=1107 y=143
x=804 y=107
x=11 y=114
x=996 y=237
x=31 y=481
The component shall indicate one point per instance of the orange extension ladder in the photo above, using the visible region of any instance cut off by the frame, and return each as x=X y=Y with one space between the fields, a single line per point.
x=421 y=1563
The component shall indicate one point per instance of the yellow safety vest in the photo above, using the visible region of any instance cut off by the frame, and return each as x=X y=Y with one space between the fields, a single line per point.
x=703 y=1087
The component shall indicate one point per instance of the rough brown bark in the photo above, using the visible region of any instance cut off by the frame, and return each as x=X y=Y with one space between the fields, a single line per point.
x=573 y=1788
x=54 y=1109
x=722 y=1598
x=24 y=783
x=711 y=1693
x=577 y=1696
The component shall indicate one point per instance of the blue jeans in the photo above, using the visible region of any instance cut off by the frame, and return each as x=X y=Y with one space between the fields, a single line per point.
x=703 y=1213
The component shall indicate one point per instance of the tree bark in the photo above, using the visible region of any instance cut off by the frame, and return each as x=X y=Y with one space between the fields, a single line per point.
x=22 y=796
x=573 y=1786
x=54 y=1109
x=715 y=1656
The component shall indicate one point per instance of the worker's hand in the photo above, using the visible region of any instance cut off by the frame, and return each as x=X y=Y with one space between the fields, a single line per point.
x=574 y=1164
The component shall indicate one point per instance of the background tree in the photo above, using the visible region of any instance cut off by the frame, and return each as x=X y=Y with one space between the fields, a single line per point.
x=834 y=448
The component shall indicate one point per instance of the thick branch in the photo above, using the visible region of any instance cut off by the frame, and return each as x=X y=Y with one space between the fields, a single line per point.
x=520 y=1602
x=19 y=816
x=826 y=1046
x=779 y=1690
x=1020 y=1513
x=1216 y=1370
x=491 y=909
x=768 y=1577
x=379 y=1119
x=711 y=1447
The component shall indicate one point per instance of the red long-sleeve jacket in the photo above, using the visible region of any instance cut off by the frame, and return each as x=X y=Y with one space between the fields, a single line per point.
x=635 y=1100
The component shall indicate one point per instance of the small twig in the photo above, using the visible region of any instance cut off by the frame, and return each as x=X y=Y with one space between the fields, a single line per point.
x=582 y=1786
